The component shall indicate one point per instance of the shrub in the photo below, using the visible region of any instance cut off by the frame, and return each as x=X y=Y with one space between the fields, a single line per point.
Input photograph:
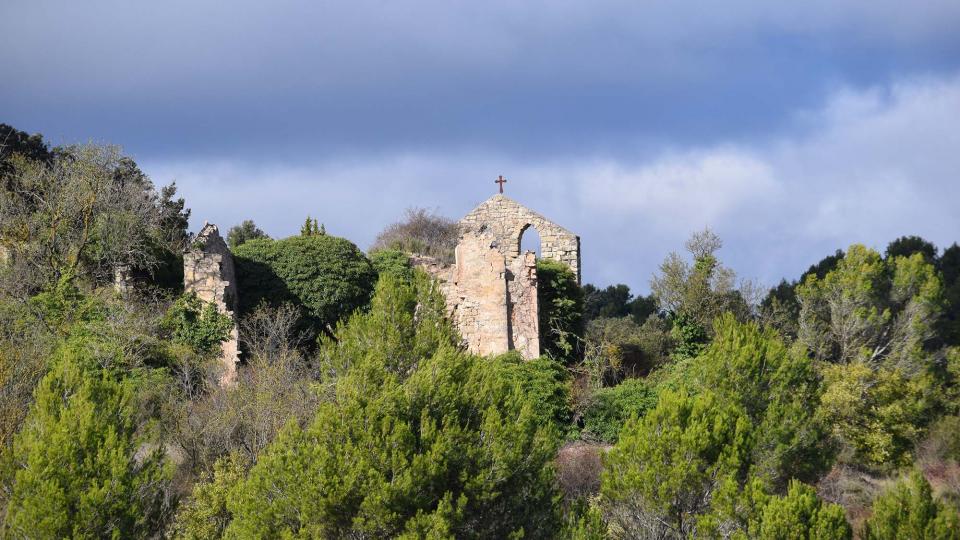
x=391 y=261
x=546 y=383
x=908 y=510
x=325 y=275
x=422 y=232
x=454 y=450
x=196 y=324
x=560 y=299
x=610 y=409
x=79 y=468
x=801 y=514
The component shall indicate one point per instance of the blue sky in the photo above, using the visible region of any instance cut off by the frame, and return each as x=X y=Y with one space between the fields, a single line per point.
x=791 y=129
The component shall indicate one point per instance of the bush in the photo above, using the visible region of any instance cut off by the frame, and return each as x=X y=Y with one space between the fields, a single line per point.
x=197 y=324
x=325 y=275
x=908 y=510
x=422 y=232
x=546 y=383
x=454 y=450
x=79 y=468
x=801 y=514
x=610 y=408
x=391 y=261
x=561 y=311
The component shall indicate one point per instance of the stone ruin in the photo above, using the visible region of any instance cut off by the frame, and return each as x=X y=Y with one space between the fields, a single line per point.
x=491 y=289
x=208 y=272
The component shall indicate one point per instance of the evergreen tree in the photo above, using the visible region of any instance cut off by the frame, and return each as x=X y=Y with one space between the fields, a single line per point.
x=908 y=510
x=79 y=468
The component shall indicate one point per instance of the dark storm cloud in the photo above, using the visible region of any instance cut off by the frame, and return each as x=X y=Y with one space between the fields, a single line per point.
x=531 y=77
x=632 y=122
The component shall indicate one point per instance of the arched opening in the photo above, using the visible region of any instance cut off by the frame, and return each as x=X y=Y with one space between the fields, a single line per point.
x=530 y=240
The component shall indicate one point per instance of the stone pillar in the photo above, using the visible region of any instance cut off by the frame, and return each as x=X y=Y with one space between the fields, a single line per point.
x=208 y=272
x=523 y=305
x=480 y=282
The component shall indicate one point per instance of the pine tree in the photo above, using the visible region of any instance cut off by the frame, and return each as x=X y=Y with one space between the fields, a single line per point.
x=78 y=468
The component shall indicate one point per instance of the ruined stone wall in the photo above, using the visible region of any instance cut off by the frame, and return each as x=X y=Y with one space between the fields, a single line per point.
x=523 y=306
x=507 y=220
x=208 y=271
x=493 y=306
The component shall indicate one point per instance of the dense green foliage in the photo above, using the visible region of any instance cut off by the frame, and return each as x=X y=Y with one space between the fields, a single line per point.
x=560 y=299
x=196 y=324
x=908 y=510
x=799 y=514
x=742 y=412
x=87 y=212
x=82 y=464
x=393 y=262
x=438 y=443
x=611 y=408
x=325 y=275
x=616 y=301
x=695 y=412
x=246 y=230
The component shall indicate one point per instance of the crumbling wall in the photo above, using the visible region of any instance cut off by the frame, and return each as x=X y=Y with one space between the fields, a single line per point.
x=493 y=305
x=523 y=306
x=506 y=220
x=208 y=271
x=491 y=290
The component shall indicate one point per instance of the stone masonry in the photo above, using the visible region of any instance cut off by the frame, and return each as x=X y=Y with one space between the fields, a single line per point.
x=208 y=271
x=491 y=290
x=507 y=220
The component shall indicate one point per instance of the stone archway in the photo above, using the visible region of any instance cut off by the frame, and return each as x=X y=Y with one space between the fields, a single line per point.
x=506 y=220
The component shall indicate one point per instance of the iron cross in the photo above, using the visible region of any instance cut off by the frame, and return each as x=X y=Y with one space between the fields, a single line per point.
x=501 y=180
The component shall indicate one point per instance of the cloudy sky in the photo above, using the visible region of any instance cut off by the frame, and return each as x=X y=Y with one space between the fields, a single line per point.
x=790 y=128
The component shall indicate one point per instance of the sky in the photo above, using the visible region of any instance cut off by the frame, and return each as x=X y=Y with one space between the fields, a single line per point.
x=791 y=129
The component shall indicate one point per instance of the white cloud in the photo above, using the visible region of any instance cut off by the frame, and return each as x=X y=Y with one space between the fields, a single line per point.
x=868 y=166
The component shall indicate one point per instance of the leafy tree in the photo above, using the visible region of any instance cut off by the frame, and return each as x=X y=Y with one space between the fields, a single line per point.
x=560 y=299
x=877 y=415
x=76 y=469
x=781 y=307
x=950 y=270
x=246 y=230
x=16 y=142
x=197 y=324
x=739 y=426
x=325 y=275
x=610 y=302
x=871 y=309
x=421 y=231
x=908 y=510
x=658 y=479
x=88 y=213
x=775 y=385
x=697 y=293
x=418 y=439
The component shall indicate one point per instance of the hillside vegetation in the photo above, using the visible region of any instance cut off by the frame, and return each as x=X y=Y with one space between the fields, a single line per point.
x=827 y=407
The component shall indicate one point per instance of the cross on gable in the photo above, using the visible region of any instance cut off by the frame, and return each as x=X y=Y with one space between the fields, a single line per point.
x=500 y=180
